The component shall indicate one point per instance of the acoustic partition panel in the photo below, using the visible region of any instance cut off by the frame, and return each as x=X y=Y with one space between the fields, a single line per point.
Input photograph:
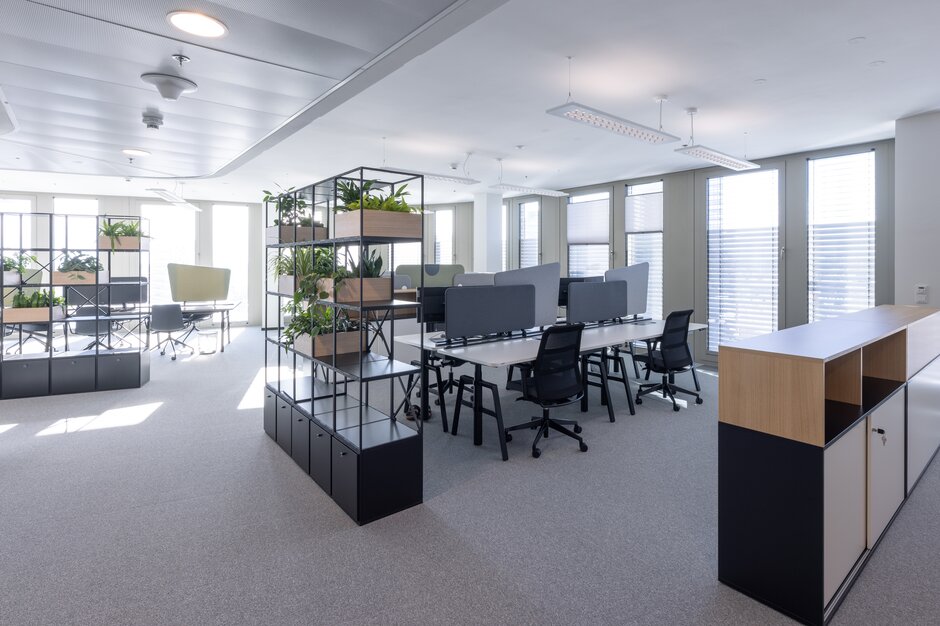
x=484 y=310
x=198 y=283
x=474 y=279
x=637 y=278
x=435 y=275
x=545 y=279
x=565 y=281
x=596 y=302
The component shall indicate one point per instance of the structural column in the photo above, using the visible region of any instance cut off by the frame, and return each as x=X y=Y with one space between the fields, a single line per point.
x=487 y=230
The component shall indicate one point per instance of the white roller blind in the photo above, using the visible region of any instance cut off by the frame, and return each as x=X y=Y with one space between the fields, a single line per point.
x=589 y=221
x=529 y=233
x=743 y=224
x=643 y=225
x=841 y=237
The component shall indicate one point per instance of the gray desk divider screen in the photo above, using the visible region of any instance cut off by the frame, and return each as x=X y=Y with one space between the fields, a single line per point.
x=595 y=302
x=483 y=310
x=638 y=280
x=545 y=278
x=473 y=279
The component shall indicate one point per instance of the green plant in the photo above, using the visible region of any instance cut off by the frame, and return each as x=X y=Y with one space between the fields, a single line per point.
x=78 y=262
x=19 y=263
x=353 y=200
x=291 y=209
x=115 y=230
x=36 y=300
x=313 y=320
x=369 y=266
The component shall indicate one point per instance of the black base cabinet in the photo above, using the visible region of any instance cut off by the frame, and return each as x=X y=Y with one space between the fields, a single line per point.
x=22 y=378
x=123 y=371
x=360 y=481
x=69 y=375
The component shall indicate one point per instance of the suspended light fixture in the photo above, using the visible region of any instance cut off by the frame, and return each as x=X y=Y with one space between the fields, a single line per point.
x=447 y=178
x=584 y=114
x=170 y=86
x=506 y=187
x=173 y=199
x=712 y=156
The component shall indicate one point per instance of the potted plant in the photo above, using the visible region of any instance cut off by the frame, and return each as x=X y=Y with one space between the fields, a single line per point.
x=38 y=306
x=14 y=268
x=302 y=270
x=292 y=222
x=311 y=330
x=360 y=279
x=79 y=269
x=382 y=215
x=122 y=235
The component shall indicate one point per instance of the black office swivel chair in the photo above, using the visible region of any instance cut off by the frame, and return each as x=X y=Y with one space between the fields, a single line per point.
x=168 y=318
x=554 y=380
x=96 y=329
x=670 y=357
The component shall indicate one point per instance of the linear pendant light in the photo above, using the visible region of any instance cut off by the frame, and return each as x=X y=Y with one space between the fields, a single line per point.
x=533 y=190
x=712 y=156
x=599 y=119
x=447 y=178
x=173 y=199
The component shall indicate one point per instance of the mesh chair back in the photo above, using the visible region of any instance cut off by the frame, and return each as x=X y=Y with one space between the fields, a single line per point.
x=556 y=370
x=674 y=345
x=166 y=318
x=91 y=328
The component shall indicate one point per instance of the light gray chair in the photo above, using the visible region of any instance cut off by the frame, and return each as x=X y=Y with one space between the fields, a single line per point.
x=168 y=318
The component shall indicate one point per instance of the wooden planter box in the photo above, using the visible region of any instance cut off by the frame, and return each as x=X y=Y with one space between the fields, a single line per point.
x=285 y=234
x=78 y=278
x=321 y=347
x=378 y=224
x=31 y=315
x=124 y=243
x=11 y=278
x=372 y=289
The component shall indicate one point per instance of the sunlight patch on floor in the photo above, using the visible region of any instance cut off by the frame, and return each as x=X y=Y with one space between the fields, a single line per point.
x=112 y=418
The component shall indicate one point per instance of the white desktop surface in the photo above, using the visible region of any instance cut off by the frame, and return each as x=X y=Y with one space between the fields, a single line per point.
x=524 y=350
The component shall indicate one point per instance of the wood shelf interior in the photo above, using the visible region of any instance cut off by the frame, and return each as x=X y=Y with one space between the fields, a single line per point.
x=886 y=358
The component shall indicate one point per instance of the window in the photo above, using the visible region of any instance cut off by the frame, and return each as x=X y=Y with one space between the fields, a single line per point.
x=589 y=234
x=528 y=233
x=407 y=254
x=841 y=237
x=504 y=236
x=81 y=232
x=643 y=223
x=743 y=223
x=444 y=236
x=229 y=245
x=173 y=240
x=16 y=231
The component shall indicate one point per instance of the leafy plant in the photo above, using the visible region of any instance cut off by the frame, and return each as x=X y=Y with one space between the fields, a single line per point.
x=115 y=230
x=291 y=209
x=369 y=266
x=78 y=262
x=19 y=263
x=36 y=300
x=374 y=201
x=313 y=320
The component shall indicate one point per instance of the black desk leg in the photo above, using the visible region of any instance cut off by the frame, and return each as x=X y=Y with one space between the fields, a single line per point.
x=425 y=407
x=477 y=405
x=584 y=379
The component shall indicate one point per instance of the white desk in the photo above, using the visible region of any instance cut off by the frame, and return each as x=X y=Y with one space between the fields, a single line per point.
x=524 y=350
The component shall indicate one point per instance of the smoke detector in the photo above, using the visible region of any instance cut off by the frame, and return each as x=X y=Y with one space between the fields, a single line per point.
x=153 y=119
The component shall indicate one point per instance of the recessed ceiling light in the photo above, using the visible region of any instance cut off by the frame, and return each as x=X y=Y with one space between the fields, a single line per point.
x=877 y=63
x=135 y=152
x=854 y=41
x=196 y=23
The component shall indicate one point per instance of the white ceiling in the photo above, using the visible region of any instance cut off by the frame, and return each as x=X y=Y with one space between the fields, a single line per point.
x=486 y=89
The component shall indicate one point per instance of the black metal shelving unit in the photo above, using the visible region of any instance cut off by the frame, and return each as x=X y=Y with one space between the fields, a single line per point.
x=92 y=334
x=321 y=404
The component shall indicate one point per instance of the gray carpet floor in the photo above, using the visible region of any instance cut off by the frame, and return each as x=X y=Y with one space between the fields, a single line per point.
x=169 y=505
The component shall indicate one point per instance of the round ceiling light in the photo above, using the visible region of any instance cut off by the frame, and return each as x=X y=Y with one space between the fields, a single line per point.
x=196 y=23
x=135 y=152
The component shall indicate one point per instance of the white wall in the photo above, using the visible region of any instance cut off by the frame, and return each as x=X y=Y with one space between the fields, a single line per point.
x=917 y=208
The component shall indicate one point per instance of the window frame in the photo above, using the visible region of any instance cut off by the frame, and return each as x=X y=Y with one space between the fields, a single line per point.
x=662 y=232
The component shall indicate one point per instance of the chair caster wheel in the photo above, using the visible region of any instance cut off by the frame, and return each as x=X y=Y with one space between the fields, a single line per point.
x=172 y=358
x=437 y=402
x=411 y=413
x=536 y=453
x=532 y=427
x=162 y=353
x=577 y=428
x=508 y=437
x=638 y=401
x=583 y=446
x=675 y=408
x=699 y=401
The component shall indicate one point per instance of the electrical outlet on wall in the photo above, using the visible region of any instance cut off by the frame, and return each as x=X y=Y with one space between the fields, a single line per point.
x=920 y=294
